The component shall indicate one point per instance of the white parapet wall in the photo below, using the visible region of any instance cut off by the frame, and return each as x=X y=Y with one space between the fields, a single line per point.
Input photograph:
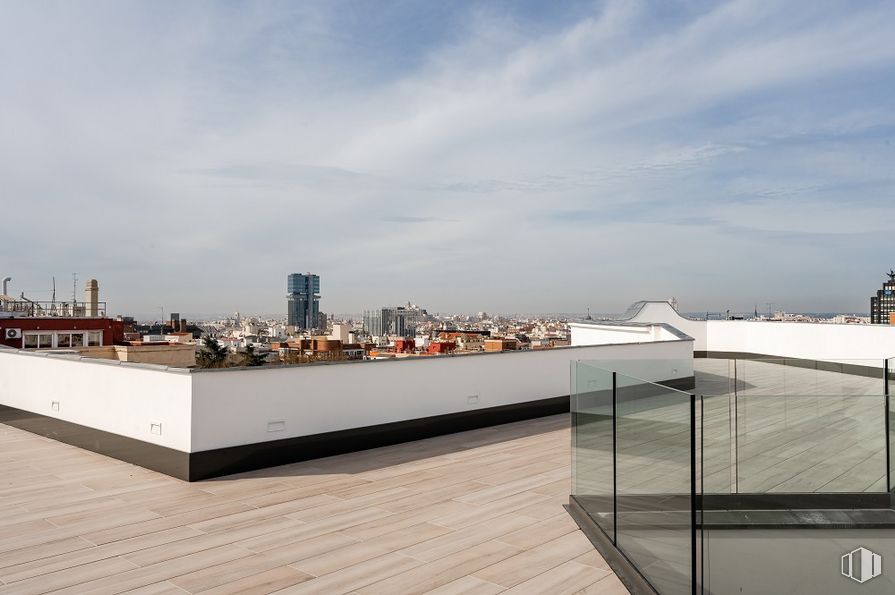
x=607 y=333
x=833 y=342
x=648 y=319
x=148 y=403
x=200 y=410
x=811 y=341
x=244 y=406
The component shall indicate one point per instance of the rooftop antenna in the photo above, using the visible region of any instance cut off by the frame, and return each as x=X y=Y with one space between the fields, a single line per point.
x=53 y=302
x=588 y=315
x=74 y=289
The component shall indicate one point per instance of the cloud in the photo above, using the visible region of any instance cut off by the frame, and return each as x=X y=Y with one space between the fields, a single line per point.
x=196 y=154
x=412 y=219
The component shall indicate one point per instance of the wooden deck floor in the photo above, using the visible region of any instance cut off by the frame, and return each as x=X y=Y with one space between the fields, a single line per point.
x=476 y=512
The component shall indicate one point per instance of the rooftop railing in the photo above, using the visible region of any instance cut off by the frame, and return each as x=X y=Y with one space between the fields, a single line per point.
x=41 y=309
x=753 y=488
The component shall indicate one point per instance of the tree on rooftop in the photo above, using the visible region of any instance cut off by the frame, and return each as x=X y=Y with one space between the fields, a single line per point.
x=252 y=359
x=212 y=354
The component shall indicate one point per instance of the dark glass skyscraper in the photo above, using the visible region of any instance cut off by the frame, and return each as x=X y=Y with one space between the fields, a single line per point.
x=883 y=304
x=302 y=300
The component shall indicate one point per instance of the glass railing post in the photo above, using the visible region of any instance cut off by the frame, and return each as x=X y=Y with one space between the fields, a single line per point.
x=573 y=420
x=614 y=459
x=888 y=415
x=693 y=493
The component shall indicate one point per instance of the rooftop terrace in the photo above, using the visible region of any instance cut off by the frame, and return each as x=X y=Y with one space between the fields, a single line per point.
x=473 y=512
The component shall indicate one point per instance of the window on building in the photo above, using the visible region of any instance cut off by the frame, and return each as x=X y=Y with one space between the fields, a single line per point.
x=94 y=339
x=38 y=341
x=63 y=340
x=77 y=339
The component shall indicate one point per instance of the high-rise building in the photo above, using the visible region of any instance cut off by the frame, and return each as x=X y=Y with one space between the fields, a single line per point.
x=398 y=320
x=882 y=306
x=303 y=300
x=377 y=322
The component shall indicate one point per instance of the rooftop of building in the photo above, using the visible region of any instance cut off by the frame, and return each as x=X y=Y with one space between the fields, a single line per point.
x=477 y=511
x=473 y=512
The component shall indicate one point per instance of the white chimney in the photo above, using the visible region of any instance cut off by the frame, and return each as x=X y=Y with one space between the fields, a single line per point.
x=91 y=297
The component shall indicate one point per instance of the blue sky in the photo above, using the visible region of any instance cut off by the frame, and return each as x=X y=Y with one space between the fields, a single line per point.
x=499 y=156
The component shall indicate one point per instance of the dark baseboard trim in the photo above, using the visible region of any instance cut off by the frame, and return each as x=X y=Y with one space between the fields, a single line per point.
x=248 y=457
x=145 y=454
x=856 y=510
x=617 y=561
x=798 y=501
x=753 y=502
x=811 y=364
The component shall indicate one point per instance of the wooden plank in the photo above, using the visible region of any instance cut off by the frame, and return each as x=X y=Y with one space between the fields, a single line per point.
x=406 y=518
x=442 y=571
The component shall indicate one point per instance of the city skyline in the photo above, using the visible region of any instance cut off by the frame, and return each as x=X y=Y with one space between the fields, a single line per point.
x=529 y=157
x=279 y=310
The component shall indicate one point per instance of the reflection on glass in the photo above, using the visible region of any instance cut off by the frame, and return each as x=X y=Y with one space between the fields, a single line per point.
x=787 y=376
x=653 y=470
x=890 y=376
x=770 y=438
x=592 y=443
x=717 y=447
x=815 y=443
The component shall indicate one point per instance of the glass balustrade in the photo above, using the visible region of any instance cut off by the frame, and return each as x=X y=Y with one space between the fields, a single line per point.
x=773 y=476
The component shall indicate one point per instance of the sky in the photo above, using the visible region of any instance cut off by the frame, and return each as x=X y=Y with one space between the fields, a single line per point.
x=505 y=156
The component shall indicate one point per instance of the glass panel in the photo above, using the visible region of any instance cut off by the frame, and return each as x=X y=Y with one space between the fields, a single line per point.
x=674 y=372
x=654 y=490
x=850 y=377
x=742 y=434
x=717 y=448
x=30 y=341
x=890 y=385
x=891 y=451
x=63 y=340
x=798 y=561
x=94 y=339
x=890 y=368
x=786 y=376
x=592 y=470
x=77 y=339
x=760 y=377
x=817 y=443
x=46 y=341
